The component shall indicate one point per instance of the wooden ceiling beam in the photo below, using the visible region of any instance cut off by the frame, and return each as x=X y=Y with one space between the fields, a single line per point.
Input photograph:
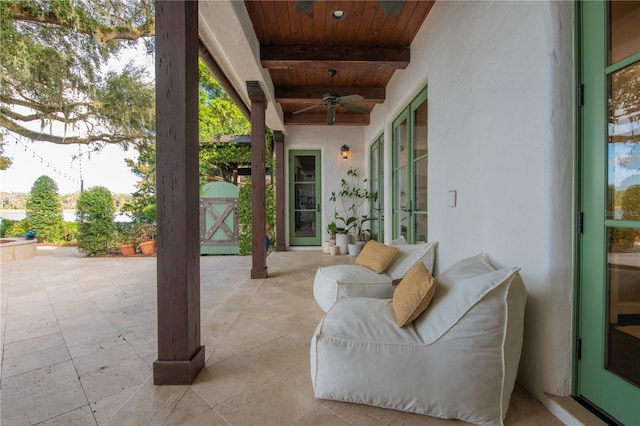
x=335 y=57
x=344 y=119
x=313 y=94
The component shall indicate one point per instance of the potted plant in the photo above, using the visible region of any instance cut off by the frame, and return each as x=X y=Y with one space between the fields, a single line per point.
x=332 y=230
x=127 y=239
x=146 y=234
x=352 y=198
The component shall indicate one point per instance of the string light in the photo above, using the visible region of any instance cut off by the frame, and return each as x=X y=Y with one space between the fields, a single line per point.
x=46 y=163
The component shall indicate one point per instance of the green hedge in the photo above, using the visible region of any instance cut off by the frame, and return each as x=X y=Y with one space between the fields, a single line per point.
x=244 y=217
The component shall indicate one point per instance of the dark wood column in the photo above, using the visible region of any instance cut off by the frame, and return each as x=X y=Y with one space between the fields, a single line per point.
x=280 y=191
x=258 y=180
x=180 y=354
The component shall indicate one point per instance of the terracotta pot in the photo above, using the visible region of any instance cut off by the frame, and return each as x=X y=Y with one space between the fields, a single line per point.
x=148 y=247
x=127 y=249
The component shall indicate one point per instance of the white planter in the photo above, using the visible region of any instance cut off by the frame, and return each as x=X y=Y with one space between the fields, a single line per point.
x=354 y=249
x=327 y=245
x=342 y=241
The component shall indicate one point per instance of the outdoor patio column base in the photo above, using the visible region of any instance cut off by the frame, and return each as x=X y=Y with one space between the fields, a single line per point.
x=259 y=272
x=178 y=372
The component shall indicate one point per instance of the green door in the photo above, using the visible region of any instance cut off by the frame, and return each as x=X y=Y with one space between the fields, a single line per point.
x=304 y=198
x=608 y=327
x=376 y=186
x=410 y=166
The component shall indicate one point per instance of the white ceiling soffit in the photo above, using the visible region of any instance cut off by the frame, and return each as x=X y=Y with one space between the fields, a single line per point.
x=226 y=30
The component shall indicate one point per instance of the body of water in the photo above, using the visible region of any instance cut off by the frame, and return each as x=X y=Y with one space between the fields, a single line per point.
x=68 y=215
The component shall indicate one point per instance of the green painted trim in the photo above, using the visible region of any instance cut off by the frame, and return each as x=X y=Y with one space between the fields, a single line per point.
x=623 y=63
x=614 y=223
x=305 y=241
x=575 y=376
x=593 y=382
x=377 y=185
x=407 y=114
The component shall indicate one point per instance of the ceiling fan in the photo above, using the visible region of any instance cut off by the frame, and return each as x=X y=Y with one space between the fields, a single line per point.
x=390 y=7
x=331 y=99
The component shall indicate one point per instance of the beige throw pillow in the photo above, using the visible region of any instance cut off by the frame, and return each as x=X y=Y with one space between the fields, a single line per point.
x=413 y=294
x=376 y=256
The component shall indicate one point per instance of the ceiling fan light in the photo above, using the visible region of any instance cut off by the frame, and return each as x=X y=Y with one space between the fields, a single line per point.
x=338 y=14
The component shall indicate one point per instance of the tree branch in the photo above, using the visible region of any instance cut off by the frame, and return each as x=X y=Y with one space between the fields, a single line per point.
x=67 y=140
x=100 y=32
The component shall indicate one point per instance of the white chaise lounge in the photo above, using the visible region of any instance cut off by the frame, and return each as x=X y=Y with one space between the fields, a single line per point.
x=337 y=281
x=458 y=359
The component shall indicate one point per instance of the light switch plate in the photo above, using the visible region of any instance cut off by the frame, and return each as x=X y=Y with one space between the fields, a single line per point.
x=452 y=198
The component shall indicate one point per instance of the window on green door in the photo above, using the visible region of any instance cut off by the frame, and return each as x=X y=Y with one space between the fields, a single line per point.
x=410 y=171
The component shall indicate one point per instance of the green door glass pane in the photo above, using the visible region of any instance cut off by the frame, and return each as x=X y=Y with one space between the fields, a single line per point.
x=622 y=356
x=420 y=116
x=624 y=25
x=420 y=185
x=420 y=227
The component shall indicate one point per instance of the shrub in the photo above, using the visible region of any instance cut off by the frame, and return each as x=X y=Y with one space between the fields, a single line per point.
x=19 y=227
x=70 y=232
x=44 y=210
x=95 y=211
x=5 y=225
x=244 y=217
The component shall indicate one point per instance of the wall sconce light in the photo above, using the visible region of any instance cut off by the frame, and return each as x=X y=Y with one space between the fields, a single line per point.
x=345 y=151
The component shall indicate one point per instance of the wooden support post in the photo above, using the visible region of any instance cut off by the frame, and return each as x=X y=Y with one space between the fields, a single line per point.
x=180 y=354
x=258 y=180
x=280 y=191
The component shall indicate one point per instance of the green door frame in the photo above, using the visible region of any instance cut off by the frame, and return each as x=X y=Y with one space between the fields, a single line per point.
x=316 y=210
x=376 y=165
x=592 y=381
x=399 y=208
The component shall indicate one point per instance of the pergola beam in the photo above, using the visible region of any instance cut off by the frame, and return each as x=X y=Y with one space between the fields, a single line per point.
x=335 y=56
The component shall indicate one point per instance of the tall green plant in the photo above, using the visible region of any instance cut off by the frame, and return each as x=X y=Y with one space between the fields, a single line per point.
x=44 y=210
x=351 y=198
x=245 y=242
x=95 y=211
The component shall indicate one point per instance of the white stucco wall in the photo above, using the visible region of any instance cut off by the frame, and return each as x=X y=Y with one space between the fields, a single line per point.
x=500 y=83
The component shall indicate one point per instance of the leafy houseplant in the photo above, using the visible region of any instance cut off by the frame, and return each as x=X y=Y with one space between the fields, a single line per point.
x=352 y=197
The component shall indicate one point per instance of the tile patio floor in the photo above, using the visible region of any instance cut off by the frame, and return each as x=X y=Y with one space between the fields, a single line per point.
x=78 y=340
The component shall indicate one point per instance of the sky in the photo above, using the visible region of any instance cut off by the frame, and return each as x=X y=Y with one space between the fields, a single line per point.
x=33 y=159
x=102 y=168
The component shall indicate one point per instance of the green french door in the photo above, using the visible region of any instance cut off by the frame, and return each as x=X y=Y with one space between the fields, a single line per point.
x=410 y=166
x=304 y=198
x=376 y=182
x=608 y=327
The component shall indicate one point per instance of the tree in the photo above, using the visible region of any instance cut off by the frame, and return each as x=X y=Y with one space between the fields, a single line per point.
x=53 y=57
x=44 y=210
x=219 y=116
x=96 y=229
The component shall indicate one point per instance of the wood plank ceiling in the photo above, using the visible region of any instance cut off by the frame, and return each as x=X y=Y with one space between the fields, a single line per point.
x=365 y=48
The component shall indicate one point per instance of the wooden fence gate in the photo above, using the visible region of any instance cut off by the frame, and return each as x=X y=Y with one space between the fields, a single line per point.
x=219 y=228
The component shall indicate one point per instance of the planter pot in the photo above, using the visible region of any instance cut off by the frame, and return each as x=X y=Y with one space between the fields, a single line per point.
x=127 y=249
x=354 y=249
x=342 y=241
x=148 y=247
x=333 y=250
x=327 y=245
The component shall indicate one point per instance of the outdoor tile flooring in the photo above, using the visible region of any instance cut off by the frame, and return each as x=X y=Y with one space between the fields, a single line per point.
x=78 y=342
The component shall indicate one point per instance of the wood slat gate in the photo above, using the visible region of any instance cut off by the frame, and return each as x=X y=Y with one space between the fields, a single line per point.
x=219 y=227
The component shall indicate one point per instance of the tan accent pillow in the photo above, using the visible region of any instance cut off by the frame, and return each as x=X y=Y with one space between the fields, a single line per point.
x=377 y=256
x=413 y=294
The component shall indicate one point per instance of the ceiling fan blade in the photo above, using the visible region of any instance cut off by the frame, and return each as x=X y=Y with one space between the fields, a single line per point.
x=350 y=98
x=331 y=115
x=391 y=7
x=355 y=108
x=307 y=109
x=302 y=6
